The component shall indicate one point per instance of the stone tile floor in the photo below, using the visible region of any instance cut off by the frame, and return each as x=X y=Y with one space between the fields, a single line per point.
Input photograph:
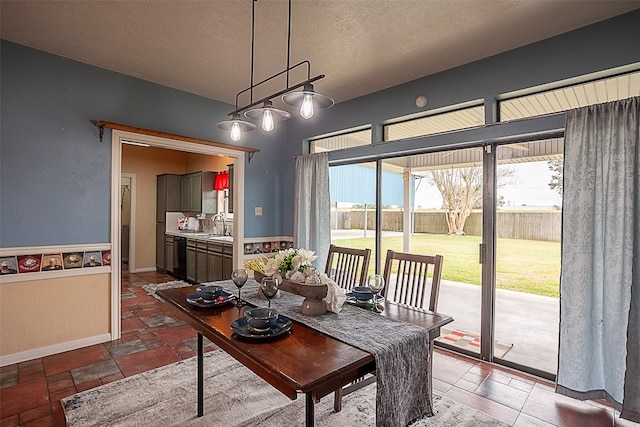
x=30 y=392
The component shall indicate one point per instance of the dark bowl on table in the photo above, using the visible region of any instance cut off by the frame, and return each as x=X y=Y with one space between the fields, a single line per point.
x=209 y=292
x=261 y=318
x=362 y=293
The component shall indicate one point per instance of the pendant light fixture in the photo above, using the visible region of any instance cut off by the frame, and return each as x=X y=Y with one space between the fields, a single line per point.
x=307 y=99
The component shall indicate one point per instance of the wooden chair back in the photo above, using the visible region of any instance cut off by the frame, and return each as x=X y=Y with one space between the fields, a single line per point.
x=406 y=279
x=347 y=266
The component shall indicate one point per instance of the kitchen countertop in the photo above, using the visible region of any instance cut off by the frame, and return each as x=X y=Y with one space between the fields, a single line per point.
x=202 y=236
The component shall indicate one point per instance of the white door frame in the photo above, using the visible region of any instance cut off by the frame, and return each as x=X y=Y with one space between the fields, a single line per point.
x=117 y=136
x=132 y=221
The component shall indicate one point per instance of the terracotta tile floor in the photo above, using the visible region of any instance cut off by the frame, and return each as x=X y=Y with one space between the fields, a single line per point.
x=30 y=392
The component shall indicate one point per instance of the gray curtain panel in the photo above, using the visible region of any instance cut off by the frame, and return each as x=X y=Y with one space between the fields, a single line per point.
x=312 y=206
x=600 y=277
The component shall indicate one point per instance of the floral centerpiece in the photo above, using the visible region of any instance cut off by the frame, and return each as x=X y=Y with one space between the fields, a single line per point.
x=289 y=264
x=299 y=276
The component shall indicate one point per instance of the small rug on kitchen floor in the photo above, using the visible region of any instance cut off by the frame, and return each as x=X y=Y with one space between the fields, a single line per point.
x=151 y=288
x=471 y=341
x=234 y=396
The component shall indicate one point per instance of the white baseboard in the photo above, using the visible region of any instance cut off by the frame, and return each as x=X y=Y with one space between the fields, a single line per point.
x=144 y=270
x=36 y=353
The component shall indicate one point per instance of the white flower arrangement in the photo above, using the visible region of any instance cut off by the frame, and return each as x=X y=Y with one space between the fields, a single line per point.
x=289 y=262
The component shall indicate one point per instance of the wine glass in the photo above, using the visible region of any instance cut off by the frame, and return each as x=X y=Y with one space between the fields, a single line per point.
x=269 y=287
x=239 y=277
x=376 y=283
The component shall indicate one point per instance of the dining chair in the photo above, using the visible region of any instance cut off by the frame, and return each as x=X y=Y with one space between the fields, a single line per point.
x=407 y=281
x=347 y=266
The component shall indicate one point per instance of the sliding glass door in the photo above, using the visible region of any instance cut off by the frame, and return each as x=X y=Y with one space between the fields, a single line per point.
x=528 y=226
x=432 y=205
x=353 y=206
x=493 y=213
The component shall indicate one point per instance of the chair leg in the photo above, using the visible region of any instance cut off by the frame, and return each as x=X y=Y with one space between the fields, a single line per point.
x=337 y=400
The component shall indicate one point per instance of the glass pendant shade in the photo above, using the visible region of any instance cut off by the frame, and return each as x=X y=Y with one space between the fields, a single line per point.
x=268 y=114
x=236 y=126
x=307 y=100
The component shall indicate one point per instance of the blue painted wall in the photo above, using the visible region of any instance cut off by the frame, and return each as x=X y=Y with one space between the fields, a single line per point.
x=54 y=173
x=598 y=47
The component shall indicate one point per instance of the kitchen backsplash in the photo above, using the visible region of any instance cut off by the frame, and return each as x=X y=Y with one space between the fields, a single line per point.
x=205 y=225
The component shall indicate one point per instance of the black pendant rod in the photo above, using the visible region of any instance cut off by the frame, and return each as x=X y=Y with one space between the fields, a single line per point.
x=289 y=45
x=253 y=43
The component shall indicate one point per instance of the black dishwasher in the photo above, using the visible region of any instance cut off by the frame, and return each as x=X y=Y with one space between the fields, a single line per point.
x=180 y=257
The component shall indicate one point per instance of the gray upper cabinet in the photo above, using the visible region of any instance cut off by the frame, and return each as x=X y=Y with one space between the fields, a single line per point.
x=230 y=199
x=168 y=195
x=198 y=194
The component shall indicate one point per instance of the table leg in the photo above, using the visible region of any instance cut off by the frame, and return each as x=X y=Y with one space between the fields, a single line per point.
x=309 y=411
x=431 y=376
x=200 y=376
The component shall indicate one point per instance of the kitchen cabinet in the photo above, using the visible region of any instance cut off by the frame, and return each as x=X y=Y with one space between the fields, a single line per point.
x=219 y=261
x=167 y=200
x=197 y=193
x=214 y=262
x=168 y=250
x=191 y=260
x=230 y=191
x=201 y=261
x=227 y=261
x=160 y=249
x=168 y=194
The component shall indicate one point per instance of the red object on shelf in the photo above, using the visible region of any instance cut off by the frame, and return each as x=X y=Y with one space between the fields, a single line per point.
x=222 y=181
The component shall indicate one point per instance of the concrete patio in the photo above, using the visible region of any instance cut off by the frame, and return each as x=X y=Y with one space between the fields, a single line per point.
x=529 y=322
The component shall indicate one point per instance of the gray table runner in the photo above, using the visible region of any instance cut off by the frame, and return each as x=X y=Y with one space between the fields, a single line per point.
x=401 y=351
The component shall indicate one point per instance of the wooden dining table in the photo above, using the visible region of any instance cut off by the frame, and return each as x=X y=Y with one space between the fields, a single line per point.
x=302 y=361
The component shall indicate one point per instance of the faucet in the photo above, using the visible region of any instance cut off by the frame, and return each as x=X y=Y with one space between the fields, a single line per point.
x=220 y=216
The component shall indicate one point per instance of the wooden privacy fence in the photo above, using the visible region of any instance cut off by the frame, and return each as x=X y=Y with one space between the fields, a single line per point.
x=511 y=224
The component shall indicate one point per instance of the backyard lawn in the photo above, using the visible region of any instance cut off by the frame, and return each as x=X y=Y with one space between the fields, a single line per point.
x=529 y=266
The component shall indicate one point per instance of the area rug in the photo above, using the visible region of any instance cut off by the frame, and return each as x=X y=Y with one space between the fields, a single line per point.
x=234 y=396
x=471 y=341
x=151 y=288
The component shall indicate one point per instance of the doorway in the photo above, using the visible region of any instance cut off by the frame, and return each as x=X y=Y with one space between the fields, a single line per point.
x=117 y=138
x=127 y=218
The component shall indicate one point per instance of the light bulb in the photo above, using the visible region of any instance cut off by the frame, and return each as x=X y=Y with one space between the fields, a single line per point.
x=306 y=109
x=236 y=133
x=267 y=120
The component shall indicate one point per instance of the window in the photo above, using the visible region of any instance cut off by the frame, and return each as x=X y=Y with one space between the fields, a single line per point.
x=338 y=142
x=438 y=123
x=569 y=97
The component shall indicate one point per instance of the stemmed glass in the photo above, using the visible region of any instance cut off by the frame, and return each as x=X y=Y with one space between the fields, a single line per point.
x=239 y=277
x=269 y=287
x=376 y=283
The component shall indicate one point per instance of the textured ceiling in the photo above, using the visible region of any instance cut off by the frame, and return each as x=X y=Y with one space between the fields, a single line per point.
x=362 y=46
